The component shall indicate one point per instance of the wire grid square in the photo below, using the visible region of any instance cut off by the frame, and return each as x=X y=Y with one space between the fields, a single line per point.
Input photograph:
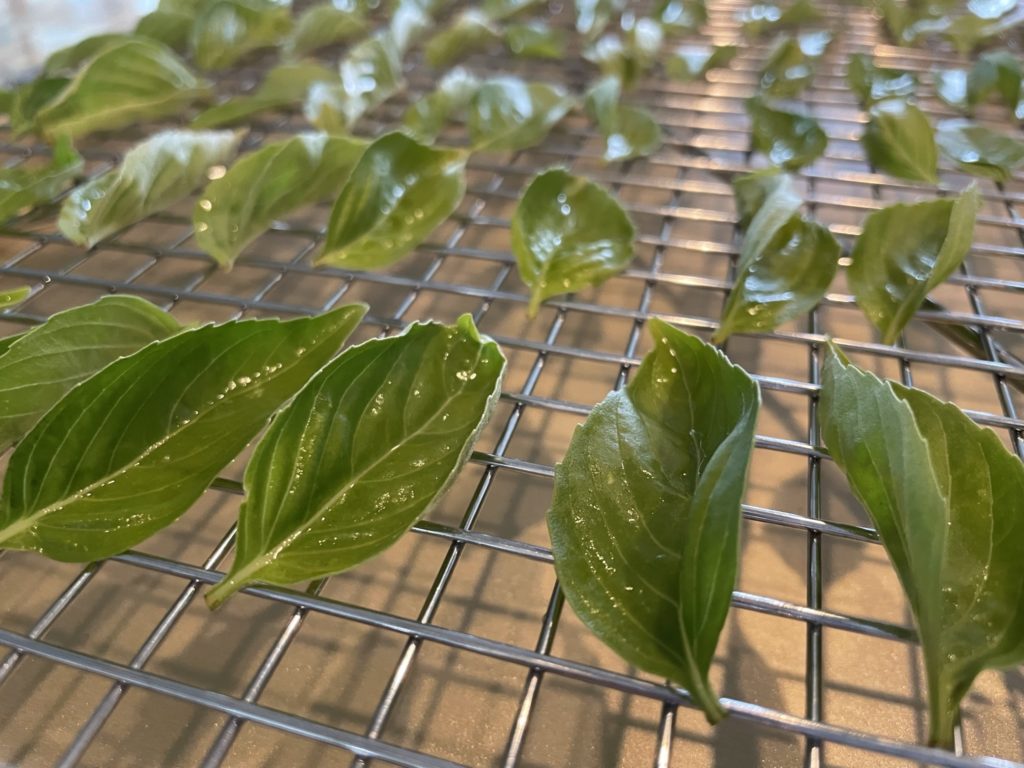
x=453 y=645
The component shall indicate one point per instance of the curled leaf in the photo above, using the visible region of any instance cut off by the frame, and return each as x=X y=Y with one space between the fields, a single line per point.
x=509 y=114
x=424 y=119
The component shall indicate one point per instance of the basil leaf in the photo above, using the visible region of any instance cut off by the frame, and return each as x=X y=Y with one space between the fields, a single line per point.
x=285 y=85
x=692 y=62
x=425 y=118
x=226 y=30
x=267 y=184
x=154 y=175
x=128 y=450
x=947 y=500
x=979 y=150
x=682 y=15
x=628 y=131
x=500 y=10
x=752 y=190
x=997 y=72
x=645 y=520
x=30 y=98
x=593 y=16
x=872 y=84
x=789 y=68
x=22 y=188
x=508 y=114
x=762 y=18
x=322 y=25
x=904 y=251
x=898 y=140
x=628 y=57
x=951 y=87
x=408 y=23
x=788 y=139
x=535 y=40
x=399 y=192
x=171 y=28
x=47 y=361
x=11 y=299
x=568 y=233
x=365 y=449
x=470 y=32
x=66 y=60
x=102 y=98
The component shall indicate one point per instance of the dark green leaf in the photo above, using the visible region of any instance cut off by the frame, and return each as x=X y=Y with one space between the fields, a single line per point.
x=410 y=20
x=126 y=82
x=568 y=233
x=753 y=189
x=22 y=188
x=470 y=32
x=790 y=67
x=645 y=520
x=762 y=18
x=905 y=251
x=593 y=16
x=788 y=139
x=951 y=87
x=268 y=184
x=873 y=84
x=128 y=450
x=226 y=30
x=47 y=361
x=154 y=174
x=630 y=55
x=509 y=114
x=366 y=448
x=322 y=25
x=682 y=15
x=425 y=118
x=285 y=86
x=11 y=299
x=628 y=131
x=979 y=150
x=399 y=192
x=535 y=40
x=171 y=28
x=947 y=500
x=691 y=62
x=898 y=140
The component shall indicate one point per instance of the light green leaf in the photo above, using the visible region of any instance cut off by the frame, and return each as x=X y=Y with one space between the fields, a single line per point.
x=628 y=131
x=272 y=182
x=154 y=175
x=322 y=25
x=128 y=450
x=788 y=139
x=904 y=251
x=171 y=28
x=535 y=40
x=691 y=62
x=66 y=60
x=898 y=140
x=979 y=150
x=995 y=72
x=630 y=56
x=593 y=16
x=682 y=15
x=47 y=361
x=22 y=188
x=226 y=30
x=568 y=233
x=12 y=299
x=399 y=192
x=789 y=68
x=286 y=85
x=425 y=118
x=947 y=500
x=124 y=83
x=508 y=114
x=645 y=521
x=409 y=21
x=470 y=32
x=873 y=84
x=366 y=449
x=500 y=10
x=6 y=100
x=762 y=18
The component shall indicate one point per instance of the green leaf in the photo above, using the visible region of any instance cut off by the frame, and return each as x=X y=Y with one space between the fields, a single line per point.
x=286 y=85
x=761 y=18
x=645 y=520
x=22 y=188
x=399 y=192
x=470 y=32
x=682 y=15
x=268 y=184
x=692 y=62
x=366 y=449
x=66 y=60
x=628 y=131
x=789 y=68
x=951 y=87
x=409 y=21
x=6 y=100
x=788 y=139
x=500 y=10
x=322 y=25
x=154 y=175
x=425 y=118
x=753 y=189
x=535 y=40
x=171 y=28
x=123 y=84
x=786 y=264
x=630 y=56
x=904 y=251
x=30 y=98
x=997 y=72
x=508 y=114
x=12 y=299
x=898 y=140
x=872 y=84
x=48 y=361
x=593 y=16
x=128 y=450
x=568 y=233
x=227 y=30
x=979 y=150
x=947 y=500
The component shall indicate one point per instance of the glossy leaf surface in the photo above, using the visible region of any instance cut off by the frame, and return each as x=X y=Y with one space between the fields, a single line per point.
x=979 y=150
x=791 y=63
x=322 y=25
x=285 y=85
x=628 y=131
x=762 y=18
x=425 y=118
x=171 y=28
x=535 y=40
x=898 y=140
x=470 y=32
x=227 y=30
x=789 y=140
x=365 y=449
x=12 y=299
x=22 y=188
x=509 y=114
x=645 y=520
x=872 y=84
x=130 y=449
x=692 y=62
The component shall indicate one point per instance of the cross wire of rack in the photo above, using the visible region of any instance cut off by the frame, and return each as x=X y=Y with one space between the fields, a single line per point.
x=453 y=648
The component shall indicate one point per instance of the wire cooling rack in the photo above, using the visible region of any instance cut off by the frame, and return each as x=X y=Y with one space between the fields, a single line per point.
x=453 y=647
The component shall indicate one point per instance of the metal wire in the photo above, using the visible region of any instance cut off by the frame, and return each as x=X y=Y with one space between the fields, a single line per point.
x=706 y=144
